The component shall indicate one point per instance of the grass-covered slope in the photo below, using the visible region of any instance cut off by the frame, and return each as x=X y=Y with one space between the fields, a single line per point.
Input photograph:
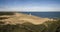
x=13 y=24
x=48 y=26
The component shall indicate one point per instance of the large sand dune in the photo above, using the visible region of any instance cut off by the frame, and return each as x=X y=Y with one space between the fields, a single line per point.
x=19 y=18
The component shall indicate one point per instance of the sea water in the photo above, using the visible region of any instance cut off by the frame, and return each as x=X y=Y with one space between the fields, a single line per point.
x=44 y=14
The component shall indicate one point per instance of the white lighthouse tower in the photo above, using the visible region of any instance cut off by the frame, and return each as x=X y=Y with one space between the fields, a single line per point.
x=30 y=14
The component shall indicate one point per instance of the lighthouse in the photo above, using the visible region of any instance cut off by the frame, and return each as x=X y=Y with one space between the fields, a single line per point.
x=30 y=14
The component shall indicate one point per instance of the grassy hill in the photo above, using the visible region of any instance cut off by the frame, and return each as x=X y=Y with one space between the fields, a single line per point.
x=19 y=23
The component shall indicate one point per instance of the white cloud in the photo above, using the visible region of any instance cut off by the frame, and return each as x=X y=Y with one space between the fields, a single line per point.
x=33 y=8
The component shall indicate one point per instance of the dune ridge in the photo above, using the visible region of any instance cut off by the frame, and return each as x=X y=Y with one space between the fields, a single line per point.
x=20 y=18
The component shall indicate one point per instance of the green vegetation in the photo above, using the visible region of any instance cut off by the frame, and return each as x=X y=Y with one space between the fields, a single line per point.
x=49 y=26
x=6 y=13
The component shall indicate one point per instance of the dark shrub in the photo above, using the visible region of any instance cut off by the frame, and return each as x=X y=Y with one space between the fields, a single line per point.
x=6 y=13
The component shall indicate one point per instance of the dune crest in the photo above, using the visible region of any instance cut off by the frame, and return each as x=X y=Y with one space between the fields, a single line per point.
x=19 y=18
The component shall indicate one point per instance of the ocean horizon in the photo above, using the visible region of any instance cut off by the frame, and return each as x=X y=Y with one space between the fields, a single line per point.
x=44 y=14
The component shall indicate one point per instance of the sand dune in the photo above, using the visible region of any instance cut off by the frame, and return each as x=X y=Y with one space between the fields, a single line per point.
x=19 y=18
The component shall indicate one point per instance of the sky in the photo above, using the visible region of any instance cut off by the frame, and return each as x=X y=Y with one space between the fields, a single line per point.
x=30 y=5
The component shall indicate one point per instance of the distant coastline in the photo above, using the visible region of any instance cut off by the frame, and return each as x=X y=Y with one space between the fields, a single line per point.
x=45 y=14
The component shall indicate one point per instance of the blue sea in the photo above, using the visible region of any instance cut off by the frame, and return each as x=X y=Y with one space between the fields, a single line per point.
x=45 y=14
